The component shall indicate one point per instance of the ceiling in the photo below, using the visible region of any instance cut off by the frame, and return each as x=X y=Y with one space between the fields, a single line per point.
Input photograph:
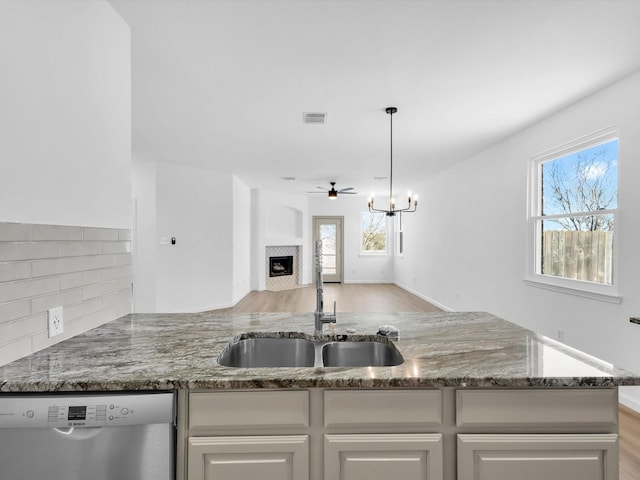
x=224 y=84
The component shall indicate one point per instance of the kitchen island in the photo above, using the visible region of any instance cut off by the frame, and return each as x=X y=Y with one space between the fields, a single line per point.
x=476 y=397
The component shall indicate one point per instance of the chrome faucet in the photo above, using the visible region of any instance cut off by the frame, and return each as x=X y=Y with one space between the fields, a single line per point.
x=320 y=317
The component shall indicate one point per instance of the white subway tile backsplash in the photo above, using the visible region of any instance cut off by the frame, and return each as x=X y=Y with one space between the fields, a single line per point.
x=14 y=350
x=13 y=310
x=13 y=251
x=77 y=249
x=11 y=271
x=55 y=232
x=79 y=310
x=124 y=259
x=125 y=283
x=99 y=290
x=86 y=270
x=10 y=291
x=116 y=247
x=109 y=260
x=80 y=279
x=10 y=331
x=58 y=266
x=44 y=303
x=125 y=308
x=116 y=272
x=116 y=299
x=91 y=233
x=15 y=232
x=124 y=234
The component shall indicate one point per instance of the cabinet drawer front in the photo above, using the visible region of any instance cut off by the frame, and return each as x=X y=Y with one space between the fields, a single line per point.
x=532 y=457
x=499 y=408
x=253 y=409
x=263 y=457
x=377 y=456
x=382 y=407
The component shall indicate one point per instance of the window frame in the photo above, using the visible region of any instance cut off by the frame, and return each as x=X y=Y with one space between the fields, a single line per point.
x=374 y=253
x=533 y=277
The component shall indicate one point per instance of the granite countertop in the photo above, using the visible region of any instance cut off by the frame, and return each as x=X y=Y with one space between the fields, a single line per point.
x=178 y=351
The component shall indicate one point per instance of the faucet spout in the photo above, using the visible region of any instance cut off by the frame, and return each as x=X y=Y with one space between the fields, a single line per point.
x=320 y=317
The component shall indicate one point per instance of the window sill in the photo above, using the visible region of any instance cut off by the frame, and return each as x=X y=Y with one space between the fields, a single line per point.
x=602 y=293
x=381 y=254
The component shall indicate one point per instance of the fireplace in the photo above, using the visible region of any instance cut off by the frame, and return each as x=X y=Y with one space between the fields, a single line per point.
x=281 y=266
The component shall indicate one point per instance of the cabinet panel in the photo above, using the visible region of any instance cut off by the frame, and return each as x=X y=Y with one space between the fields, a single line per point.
x=532 y=408
x=248 y=409
x=383 y=456
x=532 y=457
x=382 y=408
x=248 y=458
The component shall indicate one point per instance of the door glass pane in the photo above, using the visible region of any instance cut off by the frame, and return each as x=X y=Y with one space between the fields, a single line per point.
x=328 y=235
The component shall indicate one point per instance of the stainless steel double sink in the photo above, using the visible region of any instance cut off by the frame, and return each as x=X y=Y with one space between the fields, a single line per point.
x=253 y=351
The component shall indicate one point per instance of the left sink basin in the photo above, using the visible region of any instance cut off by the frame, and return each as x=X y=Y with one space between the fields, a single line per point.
x=269 y=352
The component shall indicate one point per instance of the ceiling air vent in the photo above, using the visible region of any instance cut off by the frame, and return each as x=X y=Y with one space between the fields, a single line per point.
x=315 y=118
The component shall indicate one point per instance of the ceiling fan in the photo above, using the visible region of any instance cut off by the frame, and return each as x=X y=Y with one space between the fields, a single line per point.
x=333 y=193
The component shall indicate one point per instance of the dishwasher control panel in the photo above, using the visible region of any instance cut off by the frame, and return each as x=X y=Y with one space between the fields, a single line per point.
x=62 y=411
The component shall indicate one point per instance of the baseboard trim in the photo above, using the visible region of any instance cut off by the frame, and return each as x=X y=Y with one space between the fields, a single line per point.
x=425 y=298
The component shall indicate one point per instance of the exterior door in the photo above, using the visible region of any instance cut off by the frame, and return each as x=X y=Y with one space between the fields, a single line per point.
x=329 y=230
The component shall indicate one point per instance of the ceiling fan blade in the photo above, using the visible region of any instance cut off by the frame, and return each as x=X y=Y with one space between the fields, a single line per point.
x=347 y=193
x=318 y=192
x=323 y=188
x=345 y=189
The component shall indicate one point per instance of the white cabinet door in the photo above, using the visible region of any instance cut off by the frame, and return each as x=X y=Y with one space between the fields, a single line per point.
x=248 y=458
x=534 y=457
x=383 y=457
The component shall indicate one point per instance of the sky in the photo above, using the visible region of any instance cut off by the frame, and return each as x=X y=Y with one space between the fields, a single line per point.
x=595 y=167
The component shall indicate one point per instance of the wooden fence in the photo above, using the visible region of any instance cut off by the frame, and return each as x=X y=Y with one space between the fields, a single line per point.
x=579 y=255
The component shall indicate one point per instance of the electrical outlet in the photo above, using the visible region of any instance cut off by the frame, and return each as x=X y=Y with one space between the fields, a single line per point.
x=561 y=335
x=55 y=319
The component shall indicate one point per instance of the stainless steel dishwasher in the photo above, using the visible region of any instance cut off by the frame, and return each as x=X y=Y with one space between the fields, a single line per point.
x=88 y=436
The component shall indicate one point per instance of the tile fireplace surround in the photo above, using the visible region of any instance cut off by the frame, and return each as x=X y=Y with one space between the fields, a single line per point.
x=284 y=282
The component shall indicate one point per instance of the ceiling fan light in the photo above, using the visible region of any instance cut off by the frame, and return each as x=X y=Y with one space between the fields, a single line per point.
x=333 y=194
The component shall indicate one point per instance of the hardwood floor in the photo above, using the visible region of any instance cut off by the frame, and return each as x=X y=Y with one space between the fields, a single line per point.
x=629 y=444
x=390 y=298
x=349 y=298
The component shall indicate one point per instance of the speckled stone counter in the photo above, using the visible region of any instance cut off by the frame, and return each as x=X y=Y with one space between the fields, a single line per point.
x=180 y=351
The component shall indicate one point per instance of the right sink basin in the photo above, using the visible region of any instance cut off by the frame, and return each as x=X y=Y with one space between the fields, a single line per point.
x=360 y=354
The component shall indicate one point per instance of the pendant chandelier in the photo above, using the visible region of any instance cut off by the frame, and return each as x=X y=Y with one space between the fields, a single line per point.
x=413 y=202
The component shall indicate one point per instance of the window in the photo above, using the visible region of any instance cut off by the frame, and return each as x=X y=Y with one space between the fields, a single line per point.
x=374 y=233
x=574 y=204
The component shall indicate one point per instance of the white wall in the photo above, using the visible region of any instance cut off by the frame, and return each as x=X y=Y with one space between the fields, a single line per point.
x=357 y=268
x=465 y=249
x=241 y=284
x=196 y=206
x=145 y=239
x=66 y=114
